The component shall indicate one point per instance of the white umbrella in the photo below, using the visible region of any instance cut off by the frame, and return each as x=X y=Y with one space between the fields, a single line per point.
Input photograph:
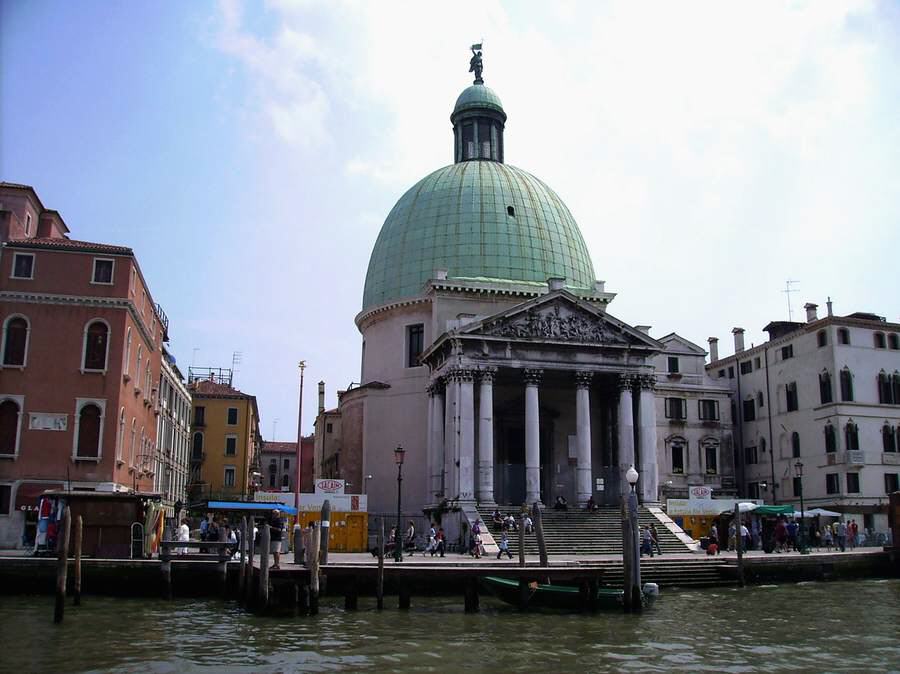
x=813 y=512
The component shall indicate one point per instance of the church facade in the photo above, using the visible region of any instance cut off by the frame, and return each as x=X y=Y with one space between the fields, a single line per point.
x=490 y=357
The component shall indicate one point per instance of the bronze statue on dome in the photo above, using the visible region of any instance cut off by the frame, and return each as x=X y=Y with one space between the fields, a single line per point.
x=475 y=65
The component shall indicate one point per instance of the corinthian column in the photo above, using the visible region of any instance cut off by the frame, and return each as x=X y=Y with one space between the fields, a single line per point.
x=626 y=431
x=532 y=436
x=485 y=493
x=451 y=436
x=649 y=483
x=466 y=435
x=583 y=428
x=437 y=436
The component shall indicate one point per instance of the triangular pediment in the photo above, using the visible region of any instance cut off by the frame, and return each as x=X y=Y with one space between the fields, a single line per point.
x=675 y=343
x=559 y=316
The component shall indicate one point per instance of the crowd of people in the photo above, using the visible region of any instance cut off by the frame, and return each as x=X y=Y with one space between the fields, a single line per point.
x=786 y=536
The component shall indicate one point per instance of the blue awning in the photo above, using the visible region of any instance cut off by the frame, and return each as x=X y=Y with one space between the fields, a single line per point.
x=245 y=505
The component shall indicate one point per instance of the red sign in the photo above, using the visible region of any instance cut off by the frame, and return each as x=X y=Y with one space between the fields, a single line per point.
x=327 y=486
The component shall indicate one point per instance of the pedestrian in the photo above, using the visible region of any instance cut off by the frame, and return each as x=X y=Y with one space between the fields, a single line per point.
x=432 y=534
x=780 y=535
x=529 y=524
x=654 y=538
x=732 y=536
x=439 y=542
x=276 y=524
x=745 y=536
x=204 y=527
x=184 y=535
x=646 y=542
x=826 y=537
x=714 y=535
x=475 y=545
x=842 y=536
x=503 y=545
x=853 y=534
x=409 y=541
x=792 y=529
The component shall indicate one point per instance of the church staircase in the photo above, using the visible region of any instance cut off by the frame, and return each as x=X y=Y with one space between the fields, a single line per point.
x=577 y=532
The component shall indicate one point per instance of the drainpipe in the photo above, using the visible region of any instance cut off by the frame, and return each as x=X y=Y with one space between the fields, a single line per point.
x=771 y=446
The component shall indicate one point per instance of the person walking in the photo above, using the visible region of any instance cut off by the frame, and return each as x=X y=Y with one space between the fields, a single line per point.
x=503 y=545
x=184 y=535
x=842 y=536
x=646 y=542
x=439 y=542
x=276 y=525
x=827 y=538
x=654 y=539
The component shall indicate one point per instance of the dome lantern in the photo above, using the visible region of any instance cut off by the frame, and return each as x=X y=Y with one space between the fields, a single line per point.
x=478 y=119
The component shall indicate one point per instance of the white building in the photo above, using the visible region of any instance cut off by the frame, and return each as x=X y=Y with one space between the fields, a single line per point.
x=825 y=393
x=172 y=461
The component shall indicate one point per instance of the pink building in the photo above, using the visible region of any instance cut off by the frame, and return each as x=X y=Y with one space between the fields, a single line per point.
x=79 y=363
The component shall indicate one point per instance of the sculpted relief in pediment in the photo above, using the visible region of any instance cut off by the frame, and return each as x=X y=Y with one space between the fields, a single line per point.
x=557 y=323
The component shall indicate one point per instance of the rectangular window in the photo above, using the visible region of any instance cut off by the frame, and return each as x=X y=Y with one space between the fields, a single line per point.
x=230 y=445
x=846 y=385
x=468 y=141
x=23 y=266
x=709 y=410
x=790 y=393
x=287 y=464
x=852 y=483
x=832 y=486
x=750 y=455
x=746 y=367
x=677 y=458
x=103 y=271
x=749 y=410
x=6 y=497
x=721 y=374
x=676 y=408
x=328 y=428
x=798 y=486
x=891 y=484
x=825 y=388
x=415 y=342
x=712 y=459
x=229 y=476
x=673 y=364
x=757 y=363
x=843 y=336
x=787 y=352
x=199 y=416
x=731 y=371
x=232 y=416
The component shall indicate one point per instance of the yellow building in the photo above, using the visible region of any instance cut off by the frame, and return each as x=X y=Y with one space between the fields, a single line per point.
x=225 y=438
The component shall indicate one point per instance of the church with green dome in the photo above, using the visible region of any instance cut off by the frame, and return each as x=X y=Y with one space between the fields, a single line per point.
x=488 y=352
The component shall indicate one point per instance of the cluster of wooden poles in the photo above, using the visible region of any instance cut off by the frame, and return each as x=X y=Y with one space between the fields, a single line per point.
x=63 y=541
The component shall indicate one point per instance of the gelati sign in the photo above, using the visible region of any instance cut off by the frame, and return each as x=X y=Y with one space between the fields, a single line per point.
x=329 y=486
x=700 y=491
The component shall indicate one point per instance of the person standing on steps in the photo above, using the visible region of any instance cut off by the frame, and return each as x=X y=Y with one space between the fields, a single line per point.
x=654 y=539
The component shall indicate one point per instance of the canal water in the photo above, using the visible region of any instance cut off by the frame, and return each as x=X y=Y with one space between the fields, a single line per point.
x=807 y=627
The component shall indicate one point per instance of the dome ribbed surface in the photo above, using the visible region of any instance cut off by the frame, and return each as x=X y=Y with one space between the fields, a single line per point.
x=457 y=219
x=478 y=96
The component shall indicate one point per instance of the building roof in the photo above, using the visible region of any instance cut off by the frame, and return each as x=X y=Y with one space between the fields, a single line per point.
x=205 y=387
x=478 y=96
x=458 y=219
x=70 y=244
x=270 y=447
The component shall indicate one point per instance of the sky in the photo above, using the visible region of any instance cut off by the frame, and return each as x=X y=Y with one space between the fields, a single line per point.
x=249 y=153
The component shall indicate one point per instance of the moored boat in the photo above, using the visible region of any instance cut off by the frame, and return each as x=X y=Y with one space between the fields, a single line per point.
x=559 y=597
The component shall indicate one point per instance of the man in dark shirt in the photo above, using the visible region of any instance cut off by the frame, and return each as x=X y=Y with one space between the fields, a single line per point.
x=276 y=524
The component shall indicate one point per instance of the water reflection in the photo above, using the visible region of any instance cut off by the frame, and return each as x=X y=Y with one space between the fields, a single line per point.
x=835 y=627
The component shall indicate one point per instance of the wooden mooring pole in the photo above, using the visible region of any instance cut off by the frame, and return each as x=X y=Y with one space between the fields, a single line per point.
x=79 y=534
x=627 y=552
x=524 y=594
x=248 y=568
x=222 y=566
x=242 y=548
x=314 y=543
x=62 y=564
x=379 y=582
x=326 y=526
x=539 y=532
x=265 y=540
x=737 y=542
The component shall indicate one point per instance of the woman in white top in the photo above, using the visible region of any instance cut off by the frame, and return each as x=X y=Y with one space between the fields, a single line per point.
x=184 y=535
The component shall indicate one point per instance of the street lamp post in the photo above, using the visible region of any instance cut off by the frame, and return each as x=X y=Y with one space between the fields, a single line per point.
x=399 y=453
x=633 y=584
x=798 y=473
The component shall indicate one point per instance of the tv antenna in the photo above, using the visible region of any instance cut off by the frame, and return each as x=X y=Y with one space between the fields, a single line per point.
x=237 y=358
x=787 y=291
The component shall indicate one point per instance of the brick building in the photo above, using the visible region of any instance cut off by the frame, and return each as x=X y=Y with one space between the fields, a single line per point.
x=79 y=363
x=278 y=466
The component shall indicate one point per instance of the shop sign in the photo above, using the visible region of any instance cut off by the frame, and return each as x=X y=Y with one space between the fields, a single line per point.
x=42 y=421
x=700 y=492
x=329 y=486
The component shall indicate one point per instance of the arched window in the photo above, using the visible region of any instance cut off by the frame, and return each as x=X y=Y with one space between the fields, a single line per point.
x=88 y=432
x=843 y=336
x=894 y=341
x=9 y=427
x=678 y=451
x=889 y=435
x=852 y=433
x=760 y=402
x=197 y=447
x=285 y=481
x=879 y=340
x=120 y=436
x=846 y=385
x=148 y=380
x=132 y=450
x=711 y=455
x=795 y=444
x=127 y=352
x=137 y=370
x=885 y=389
x=822 y=337
x=96 y=341
x=830 y=438
x=15 y=341
x=896 y=387
x=825 y=394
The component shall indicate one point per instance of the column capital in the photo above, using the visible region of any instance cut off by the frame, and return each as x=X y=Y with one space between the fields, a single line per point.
x=647 y=381
x=486 y=375
x=626 y=382
x=533 y=377
x=583 y=379
x=461 y=374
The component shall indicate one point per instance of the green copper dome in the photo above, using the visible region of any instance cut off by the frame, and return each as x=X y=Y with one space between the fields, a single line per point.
x=478 y=96
x=476 y=219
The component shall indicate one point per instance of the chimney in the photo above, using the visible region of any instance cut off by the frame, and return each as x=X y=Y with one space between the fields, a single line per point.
x=830 y=313
x=713 y=349
x=321 y=397
x=600 y=286
x=738 y=339
x=440 y=274
x=556 y=283
x=643 y=328
x=811 y=312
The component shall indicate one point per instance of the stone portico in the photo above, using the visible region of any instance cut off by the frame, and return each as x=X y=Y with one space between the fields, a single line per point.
x=550 y=397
